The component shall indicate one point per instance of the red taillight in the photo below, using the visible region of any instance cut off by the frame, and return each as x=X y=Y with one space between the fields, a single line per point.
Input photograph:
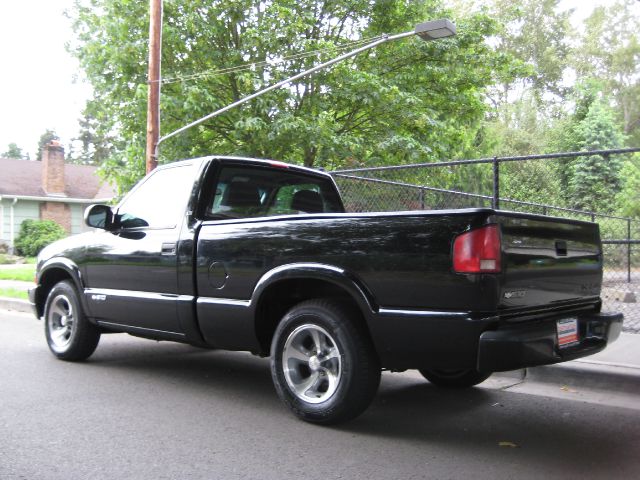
x=477 y=251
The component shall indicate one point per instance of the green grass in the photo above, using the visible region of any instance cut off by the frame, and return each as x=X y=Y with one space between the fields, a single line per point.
x=24 y=273
x=10 y=260
x=13 y=293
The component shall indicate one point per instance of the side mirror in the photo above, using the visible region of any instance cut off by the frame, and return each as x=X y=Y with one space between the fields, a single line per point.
x=98 y=216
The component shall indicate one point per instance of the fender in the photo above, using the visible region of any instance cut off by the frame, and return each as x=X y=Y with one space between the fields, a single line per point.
x=69 y=267
x=318 y=271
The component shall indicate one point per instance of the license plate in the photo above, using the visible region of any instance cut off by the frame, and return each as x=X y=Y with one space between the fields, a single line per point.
x=567 y=332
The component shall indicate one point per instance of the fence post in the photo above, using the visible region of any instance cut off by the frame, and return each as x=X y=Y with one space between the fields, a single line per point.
x=628 y=250
x=422 y=199
x=496 y=183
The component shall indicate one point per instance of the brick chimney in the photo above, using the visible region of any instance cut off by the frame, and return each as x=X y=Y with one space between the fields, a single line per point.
x=53 y=169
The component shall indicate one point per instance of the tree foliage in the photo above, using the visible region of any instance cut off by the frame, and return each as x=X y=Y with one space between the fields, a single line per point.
x=610 y=52
x=47 y=137
x=92 y=146
x=628 y=199
x=537 y=33
x=403 y=102
x=13 y=151
x=501 y=87
x=594 y=180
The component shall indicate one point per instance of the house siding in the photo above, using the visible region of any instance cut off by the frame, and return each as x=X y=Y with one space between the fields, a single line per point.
x=22 y=210
x=77 y=218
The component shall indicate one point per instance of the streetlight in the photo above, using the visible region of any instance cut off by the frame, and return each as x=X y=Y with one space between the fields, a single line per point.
x=432 y=30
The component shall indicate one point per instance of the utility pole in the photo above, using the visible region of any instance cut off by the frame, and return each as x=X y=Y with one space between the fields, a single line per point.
x=153 y=98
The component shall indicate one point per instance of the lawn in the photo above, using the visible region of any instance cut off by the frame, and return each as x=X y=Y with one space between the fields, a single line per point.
x=24 y=273
x=13 y=293
x=10 y=259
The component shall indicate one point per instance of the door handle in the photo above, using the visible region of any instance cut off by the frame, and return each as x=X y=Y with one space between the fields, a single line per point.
x=168 y=248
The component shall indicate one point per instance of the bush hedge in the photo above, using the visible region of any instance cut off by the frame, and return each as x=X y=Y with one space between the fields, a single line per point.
x=36 y=234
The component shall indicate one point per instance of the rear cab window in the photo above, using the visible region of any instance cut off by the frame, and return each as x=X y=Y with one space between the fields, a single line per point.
x=260 y=191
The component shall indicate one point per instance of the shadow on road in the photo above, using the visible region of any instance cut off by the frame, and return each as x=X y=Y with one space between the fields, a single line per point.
x=477 y=422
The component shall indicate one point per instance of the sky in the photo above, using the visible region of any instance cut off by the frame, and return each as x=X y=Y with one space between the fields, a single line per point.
x=40 y=84
x=37 y=87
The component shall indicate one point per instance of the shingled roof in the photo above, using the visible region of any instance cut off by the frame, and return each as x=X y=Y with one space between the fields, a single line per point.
x=24 y=178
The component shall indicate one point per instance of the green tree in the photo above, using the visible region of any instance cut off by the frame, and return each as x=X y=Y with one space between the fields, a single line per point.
x=610 y=52
x=538 y=34
x=13 y=151
x=91 y=146
x=403 y=102
x=628 y=199
x=528 y=99
x=594 y=180
x=45 y=139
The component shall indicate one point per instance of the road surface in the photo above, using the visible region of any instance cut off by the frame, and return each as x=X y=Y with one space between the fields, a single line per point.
x=140 y=409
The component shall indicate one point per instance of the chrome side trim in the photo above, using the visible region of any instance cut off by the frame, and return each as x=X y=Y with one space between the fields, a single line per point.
x=421 y=313
x=136 y=294
x=224 y=301
x=122 y=326
x=296 y=266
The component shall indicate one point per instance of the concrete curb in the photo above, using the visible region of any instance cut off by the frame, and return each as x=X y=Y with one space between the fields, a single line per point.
x=589 y=375
x=15 y=304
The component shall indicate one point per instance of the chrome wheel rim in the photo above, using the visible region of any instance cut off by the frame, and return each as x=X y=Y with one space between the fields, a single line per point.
x=61 y=322
x=312 y=364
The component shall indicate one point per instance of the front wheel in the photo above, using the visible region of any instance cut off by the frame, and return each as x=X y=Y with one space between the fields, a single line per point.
x=69 y=333
x=455 y=378
x=323 y=364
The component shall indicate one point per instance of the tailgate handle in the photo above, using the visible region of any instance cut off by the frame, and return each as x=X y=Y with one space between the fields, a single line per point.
x=561 y=248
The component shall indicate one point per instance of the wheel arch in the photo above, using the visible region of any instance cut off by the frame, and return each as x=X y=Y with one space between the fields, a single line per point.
x=285 y=286
x=53 y=272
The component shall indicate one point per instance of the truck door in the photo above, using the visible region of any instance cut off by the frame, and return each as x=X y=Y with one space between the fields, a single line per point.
x=132 y=275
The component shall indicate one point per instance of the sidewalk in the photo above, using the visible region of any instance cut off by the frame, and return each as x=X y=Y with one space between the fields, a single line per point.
x=611 y=377
x=616 y=368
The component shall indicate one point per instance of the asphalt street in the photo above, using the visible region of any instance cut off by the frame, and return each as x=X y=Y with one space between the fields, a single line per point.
x=140 y=409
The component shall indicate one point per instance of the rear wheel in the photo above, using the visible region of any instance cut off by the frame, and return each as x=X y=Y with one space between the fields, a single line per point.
x=323 y=365
x=455 y=378
x=69 y=334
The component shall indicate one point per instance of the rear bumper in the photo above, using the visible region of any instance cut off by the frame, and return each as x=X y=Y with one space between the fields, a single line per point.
x=521 y=346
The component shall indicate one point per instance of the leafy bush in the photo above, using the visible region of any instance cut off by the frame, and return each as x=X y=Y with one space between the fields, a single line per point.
x=36 y=234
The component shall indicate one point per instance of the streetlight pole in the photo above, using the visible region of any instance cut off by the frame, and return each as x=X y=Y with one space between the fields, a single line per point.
x=153 y=97
x=432 y=30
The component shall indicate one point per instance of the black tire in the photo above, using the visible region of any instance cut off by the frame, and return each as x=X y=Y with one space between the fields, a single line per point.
x=69 y=333
x=455 y=378
x=323 y=364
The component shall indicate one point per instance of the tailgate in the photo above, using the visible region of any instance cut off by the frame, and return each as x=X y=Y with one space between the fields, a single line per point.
x=548 y=260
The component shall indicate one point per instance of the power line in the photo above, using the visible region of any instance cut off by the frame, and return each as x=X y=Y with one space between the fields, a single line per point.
x=249 y=66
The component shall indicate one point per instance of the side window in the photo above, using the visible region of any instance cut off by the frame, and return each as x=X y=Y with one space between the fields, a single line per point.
x=159 y=201
x=254 y=191
x=238 y=195
x=297 y=198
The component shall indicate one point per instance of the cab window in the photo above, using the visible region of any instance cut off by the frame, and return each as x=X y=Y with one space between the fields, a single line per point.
x=245 y=192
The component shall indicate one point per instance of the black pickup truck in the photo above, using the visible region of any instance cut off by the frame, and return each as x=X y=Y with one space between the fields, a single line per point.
x=243 y=254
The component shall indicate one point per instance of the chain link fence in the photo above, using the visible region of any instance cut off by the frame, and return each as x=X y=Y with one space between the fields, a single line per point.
x=532 y=184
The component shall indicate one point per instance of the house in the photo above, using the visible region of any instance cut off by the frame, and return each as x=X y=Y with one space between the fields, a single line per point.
x=47 y=190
